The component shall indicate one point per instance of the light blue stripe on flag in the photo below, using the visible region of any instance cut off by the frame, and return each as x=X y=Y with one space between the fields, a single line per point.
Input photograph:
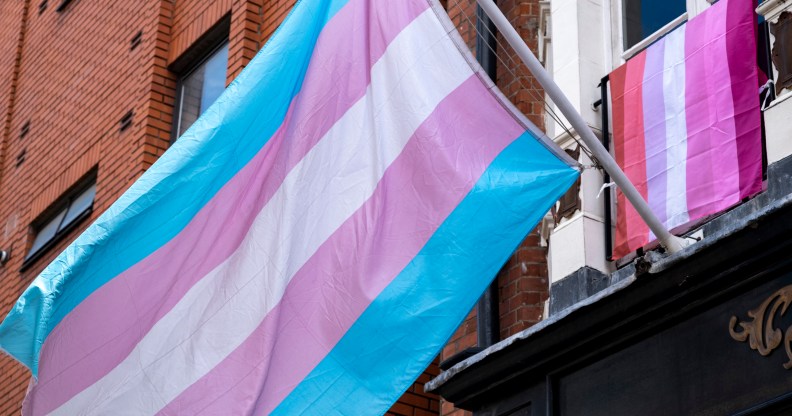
x=176 y=187
x=400 y=333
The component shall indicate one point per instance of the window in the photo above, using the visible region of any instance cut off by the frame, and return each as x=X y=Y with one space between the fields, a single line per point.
x=644 y=17
x=68 y=213
x=200 y=87
x=62 y=6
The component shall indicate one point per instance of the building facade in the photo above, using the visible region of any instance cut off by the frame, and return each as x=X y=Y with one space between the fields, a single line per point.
x=705 y=331
x=94 y=92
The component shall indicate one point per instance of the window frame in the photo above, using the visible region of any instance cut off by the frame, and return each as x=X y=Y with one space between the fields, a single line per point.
x=653 y=37
x=62 y=205
x=692 y=9
x=192 y=59
x=180 y=84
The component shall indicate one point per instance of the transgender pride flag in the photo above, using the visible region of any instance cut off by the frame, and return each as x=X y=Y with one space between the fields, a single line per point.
x=310 y=243
x=687 y=123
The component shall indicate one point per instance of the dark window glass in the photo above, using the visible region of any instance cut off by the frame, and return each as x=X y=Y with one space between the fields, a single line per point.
x=644 y=17
x=47 y=232
x=79 y=205
x=200 y=88
x=76 y=207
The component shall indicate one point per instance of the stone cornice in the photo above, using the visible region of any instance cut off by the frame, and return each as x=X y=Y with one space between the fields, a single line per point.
x=771 y=9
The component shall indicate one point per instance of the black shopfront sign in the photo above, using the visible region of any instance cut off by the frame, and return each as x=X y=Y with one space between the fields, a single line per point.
x=721 y=348
x=730 y=359
x=708 y=333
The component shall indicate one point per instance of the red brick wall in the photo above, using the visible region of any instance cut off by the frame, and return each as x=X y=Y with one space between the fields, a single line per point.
x=274 y=11
x=523 y=287
x=515 y=80
x=11 y=19
x=416 y=402
x=12 y=380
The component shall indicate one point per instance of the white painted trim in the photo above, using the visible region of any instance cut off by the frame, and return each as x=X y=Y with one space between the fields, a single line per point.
x=607 y=34
x=695 y=7
x=545 y=34
x=578 y=215
x=771 y=9
x=785 y=95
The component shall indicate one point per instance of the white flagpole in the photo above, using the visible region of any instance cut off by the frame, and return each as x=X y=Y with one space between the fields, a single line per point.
x=671 y=243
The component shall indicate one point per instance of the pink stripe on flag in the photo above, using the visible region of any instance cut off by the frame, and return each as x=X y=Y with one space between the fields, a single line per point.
x=353 y=266
x=741 y=46
x=712 y=171
x=108 y=324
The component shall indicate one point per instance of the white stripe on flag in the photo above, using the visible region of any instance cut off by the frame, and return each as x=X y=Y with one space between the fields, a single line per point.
x=676 y=127
x=333 y=180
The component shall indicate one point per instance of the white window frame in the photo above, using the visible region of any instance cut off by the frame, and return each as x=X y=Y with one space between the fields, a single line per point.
x=694 y=7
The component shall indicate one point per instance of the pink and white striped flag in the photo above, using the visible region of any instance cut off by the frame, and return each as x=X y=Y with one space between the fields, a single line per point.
x=686 y=122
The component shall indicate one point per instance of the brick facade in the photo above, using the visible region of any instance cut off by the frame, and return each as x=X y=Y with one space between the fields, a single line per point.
x=68 y=77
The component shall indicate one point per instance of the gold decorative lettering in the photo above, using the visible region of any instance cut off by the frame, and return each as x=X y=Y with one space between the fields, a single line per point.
x=761 y=333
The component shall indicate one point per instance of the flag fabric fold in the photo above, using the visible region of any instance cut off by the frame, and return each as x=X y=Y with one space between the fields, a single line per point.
x=309 y=244
x=686 y=122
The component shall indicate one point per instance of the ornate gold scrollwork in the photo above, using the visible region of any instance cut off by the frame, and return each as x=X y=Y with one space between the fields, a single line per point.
x=761 y=334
